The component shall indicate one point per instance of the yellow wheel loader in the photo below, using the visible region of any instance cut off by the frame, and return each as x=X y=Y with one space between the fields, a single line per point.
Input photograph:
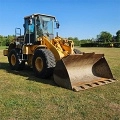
x=49 y=55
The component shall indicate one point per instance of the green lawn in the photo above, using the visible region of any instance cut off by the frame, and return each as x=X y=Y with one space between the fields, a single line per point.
x=25 y=97
x=2 y=47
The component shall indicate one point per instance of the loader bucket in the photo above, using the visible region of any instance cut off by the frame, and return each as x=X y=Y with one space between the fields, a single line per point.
x=82 y=71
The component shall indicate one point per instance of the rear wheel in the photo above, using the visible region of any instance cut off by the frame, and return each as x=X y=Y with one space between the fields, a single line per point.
x=14 y=61
x=43 y=63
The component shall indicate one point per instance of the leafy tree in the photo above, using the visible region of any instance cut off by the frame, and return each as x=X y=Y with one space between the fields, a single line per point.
x=6 y=39
x=70 y=38
x=118 y=36
x=1 y=40
x=75 y=40
x=104 y=37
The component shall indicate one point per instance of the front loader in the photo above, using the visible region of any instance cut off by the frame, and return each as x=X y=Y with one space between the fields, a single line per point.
x=49 y=55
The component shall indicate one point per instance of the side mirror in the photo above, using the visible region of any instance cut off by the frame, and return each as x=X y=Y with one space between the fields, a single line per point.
x=57 y=25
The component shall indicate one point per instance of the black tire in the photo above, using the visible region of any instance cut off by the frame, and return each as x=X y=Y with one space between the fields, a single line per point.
x=11 y=46
x=76 y=51
x=14 y=62
x=43 y=63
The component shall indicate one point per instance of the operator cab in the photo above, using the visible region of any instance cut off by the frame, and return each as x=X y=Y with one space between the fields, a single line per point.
x=38 y=25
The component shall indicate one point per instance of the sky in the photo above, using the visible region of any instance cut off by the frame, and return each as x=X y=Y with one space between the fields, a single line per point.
x=84 y=19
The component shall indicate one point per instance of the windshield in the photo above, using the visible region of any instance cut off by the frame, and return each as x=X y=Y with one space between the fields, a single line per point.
x=44 y=25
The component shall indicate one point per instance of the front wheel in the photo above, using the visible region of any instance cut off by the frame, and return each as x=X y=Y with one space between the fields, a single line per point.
x=43 y=63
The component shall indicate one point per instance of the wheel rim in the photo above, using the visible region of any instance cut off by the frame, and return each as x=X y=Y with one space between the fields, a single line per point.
x=39 y=64
x=13 y=59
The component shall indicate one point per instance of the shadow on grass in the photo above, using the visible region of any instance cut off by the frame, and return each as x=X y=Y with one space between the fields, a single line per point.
x=27 y=72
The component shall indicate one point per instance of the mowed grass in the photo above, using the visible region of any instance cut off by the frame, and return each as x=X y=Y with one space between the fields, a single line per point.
x=25 y=97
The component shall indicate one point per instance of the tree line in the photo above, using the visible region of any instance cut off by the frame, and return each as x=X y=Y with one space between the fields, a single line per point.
x=107 y=37
x=103 y=38
x=5 y=40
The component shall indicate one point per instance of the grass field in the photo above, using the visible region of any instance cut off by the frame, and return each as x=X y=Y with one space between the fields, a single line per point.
x=25 y=97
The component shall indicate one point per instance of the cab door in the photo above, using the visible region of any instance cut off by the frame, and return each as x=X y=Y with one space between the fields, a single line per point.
x=29 y=30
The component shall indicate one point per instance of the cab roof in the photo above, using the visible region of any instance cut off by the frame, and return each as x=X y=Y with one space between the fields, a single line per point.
x=37 y=14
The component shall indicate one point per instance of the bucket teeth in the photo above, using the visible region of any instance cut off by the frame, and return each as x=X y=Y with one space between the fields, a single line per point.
x=91 y=85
